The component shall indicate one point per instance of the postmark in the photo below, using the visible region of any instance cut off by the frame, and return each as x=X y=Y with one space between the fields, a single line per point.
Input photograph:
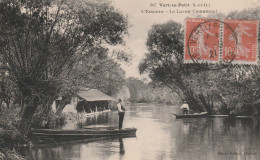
x=240 y=43
x=228 y=42
x=202 y=39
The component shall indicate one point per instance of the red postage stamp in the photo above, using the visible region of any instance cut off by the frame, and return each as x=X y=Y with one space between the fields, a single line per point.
x=202 y=40
x=240 y=43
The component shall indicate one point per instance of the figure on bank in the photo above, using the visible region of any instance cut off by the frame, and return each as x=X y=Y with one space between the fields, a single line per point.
x=121 y=112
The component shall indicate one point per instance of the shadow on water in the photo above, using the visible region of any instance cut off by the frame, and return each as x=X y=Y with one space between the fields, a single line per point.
x=121 y=146
x=161 y=136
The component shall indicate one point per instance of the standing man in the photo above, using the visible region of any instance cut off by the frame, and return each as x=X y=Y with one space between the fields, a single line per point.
x=121 y=112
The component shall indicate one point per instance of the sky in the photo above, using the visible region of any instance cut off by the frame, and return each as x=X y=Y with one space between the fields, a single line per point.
x=141 y=23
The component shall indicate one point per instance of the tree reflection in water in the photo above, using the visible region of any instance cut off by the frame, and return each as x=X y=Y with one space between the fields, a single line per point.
x=218 y=138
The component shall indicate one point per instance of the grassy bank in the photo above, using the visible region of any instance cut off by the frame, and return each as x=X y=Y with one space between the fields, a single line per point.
x=10 y=138
x=11 y=141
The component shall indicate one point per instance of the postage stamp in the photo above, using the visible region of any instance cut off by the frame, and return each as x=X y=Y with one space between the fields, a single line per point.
x=202 y=40
x=240 y=43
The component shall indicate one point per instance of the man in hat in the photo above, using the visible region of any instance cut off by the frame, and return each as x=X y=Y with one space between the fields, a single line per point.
x=185 y=108
x=121 y=112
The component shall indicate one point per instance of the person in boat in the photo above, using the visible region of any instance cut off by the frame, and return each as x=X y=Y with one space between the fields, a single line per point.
x=185 y=108
x=121 y=113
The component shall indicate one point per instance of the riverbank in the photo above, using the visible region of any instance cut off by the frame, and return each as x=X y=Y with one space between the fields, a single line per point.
x=232 y=116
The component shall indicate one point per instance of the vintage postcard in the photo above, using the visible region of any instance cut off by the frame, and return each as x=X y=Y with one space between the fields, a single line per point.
x=129 y=80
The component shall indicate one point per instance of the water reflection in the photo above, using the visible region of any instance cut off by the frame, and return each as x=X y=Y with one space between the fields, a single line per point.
x=121 y=146
x=97 y=119
x=218 y=138
x=79 y=150
x=161 y=136
x=105 y=119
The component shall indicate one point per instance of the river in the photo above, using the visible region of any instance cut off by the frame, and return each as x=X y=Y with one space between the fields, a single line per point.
x=160 y=136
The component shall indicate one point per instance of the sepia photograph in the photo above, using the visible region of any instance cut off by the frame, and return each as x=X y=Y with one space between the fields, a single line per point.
x=129 y=80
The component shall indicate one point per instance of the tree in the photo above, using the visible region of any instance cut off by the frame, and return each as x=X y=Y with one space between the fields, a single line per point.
x=135 y=87
x=42 y=40
x=164 y=61
x=142 y=92
x=101 y=71
x=238 y=85
x=216 y=88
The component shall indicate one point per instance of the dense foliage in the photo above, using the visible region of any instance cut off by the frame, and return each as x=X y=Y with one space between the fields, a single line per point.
x=42 y=41
x=142 y=92
x=49 y=49
x=217 y=89
x=10 y=137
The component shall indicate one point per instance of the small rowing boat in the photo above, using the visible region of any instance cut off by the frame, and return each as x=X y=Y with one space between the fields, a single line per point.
x=87 y=133
x=194 y=115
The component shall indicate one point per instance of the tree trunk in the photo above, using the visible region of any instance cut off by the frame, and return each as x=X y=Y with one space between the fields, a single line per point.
x=27 y=115
x=224 y=108
x=190 y=97
x=65 y=100
x=206 y=104
x=193 y=102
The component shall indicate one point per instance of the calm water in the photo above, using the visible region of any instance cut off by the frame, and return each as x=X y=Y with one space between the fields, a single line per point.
x=161 y=136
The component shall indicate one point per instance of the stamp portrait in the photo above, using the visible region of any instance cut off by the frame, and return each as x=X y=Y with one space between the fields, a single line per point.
x=202 y=40
x=242 y=42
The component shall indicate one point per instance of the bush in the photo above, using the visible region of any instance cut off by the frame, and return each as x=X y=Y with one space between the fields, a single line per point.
x=9 y=134
x=50 y=121
x=10 y=137
x=10 y=155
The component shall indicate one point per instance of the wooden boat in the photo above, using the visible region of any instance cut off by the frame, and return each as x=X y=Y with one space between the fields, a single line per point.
x=194 y=115
x=71 y=135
